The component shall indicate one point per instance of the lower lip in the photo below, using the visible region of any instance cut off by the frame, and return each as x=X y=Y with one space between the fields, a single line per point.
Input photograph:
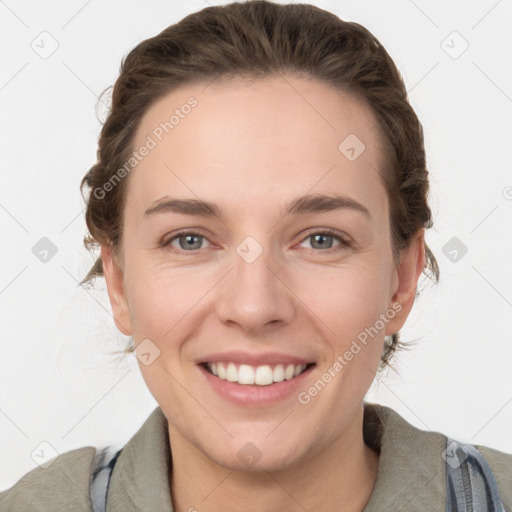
x=254 y=395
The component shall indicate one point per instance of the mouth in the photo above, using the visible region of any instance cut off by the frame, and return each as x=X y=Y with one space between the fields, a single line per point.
x=261 y=375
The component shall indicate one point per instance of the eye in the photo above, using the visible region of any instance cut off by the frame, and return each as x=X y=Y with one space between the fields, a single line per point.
x=187 y=241
x=323 y=240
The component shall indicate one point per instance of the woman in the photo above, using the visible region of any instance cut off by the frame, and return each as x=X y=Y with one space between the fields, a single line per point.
x=260 y=200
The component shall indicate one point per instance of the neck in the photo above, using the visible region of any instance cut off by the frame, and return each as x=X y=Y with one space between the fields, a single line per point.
x=344 y=473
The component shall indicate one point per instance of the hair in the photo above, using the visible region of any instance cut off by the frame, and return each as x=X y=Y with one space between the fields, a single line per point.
x=259 y=39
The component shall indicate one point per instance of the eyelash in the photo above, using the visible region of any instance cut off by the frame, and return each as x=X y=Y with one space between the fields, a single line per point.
x=345 y=243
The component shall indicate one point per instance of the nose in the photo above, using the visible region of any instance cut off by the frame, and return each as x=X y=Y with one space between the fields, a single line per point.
x=254 y=294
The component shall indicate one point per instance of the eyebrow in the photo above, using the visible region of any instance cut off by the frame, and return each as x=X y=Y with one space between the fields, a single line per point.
x=312 y=203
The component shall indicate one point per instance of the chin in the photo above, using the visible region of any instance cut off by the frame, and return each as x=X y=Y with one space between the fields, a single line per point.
x=256 y=454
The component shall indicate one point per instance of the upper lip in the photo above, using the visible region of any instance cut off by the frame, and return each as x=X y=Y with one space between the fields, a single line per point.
x=253 y=359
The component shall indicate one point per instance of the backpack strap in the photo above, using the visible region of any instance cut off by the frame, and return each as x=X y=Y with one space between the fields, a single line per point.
x=99 y=477
x=470 y=482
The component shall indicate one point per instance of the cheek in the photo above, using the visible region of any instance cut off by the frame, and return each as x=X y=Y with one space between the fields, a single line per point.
x=347 y=305
x=342 y=300
x=160 y=298
x=346 y=299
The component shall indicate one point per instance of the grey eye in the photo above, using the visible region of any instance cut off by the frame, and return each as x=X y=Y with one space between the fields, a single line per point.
x=324 y=241
x=187 y=241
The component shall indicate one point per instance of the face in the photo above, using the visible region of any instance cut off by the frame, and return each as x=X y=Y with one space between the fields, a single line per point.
x=256 y=255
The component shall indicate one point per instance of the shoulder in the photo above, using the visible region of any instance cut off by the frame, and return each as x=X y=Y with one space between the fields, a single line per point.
x=501 y=465
x=61 y=485
x=434 y=467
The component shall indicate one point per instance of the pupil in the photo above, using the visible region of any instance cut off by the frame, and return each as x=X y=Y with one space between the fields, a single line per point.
x=320 y=238
x=190 y=241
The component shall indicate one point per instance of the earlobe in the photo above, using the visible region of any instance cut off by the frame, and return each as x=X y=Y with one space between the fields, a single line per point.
x=115 y=287
x=412 y=263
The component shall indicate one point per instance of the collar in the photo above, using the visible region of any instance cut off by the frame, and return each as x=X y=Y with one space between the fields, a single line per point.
x=411 y=472
x=411 y=469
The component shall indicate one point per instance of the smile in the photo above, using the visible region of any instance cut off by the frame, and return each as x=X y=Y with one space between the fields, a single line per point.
x=262 y=375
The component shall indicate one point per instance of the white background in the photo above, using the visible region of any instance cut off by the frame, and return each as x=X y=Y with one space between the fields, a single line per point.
x=60 y=379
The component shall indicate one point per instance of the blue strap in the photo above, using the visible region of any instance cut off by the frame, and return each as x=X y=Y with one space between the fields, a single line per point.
x=99 y=478
x=470 y=482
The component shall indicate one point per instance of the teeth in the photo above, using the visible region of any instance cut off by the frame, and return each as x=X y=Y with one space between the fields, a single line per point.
x=288 y=373
x=245 y=374
x=264 y=376
x=278 y=375
x=260 y=375
x=231 y=373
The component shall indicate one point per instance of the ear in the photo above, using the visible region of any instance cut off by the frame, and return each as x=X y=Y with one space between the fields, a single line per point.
x=114 y=279
x=408 y=271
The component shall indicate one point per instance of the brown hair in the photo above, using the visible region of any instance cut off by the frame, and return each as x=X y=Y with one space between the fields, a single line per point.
x=258 y=39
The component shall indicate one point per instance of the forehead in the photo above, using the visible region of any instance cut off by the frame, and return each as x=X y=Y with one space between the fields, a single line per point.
x=273 y=137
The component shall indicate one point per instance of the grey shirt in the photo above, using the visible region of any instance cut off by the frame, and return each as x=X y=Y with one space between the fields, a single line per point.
x=411 y=475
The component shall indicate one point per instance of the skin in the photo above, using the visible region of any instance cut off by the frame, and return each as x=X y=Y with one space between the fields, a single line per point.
x=252 y=147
